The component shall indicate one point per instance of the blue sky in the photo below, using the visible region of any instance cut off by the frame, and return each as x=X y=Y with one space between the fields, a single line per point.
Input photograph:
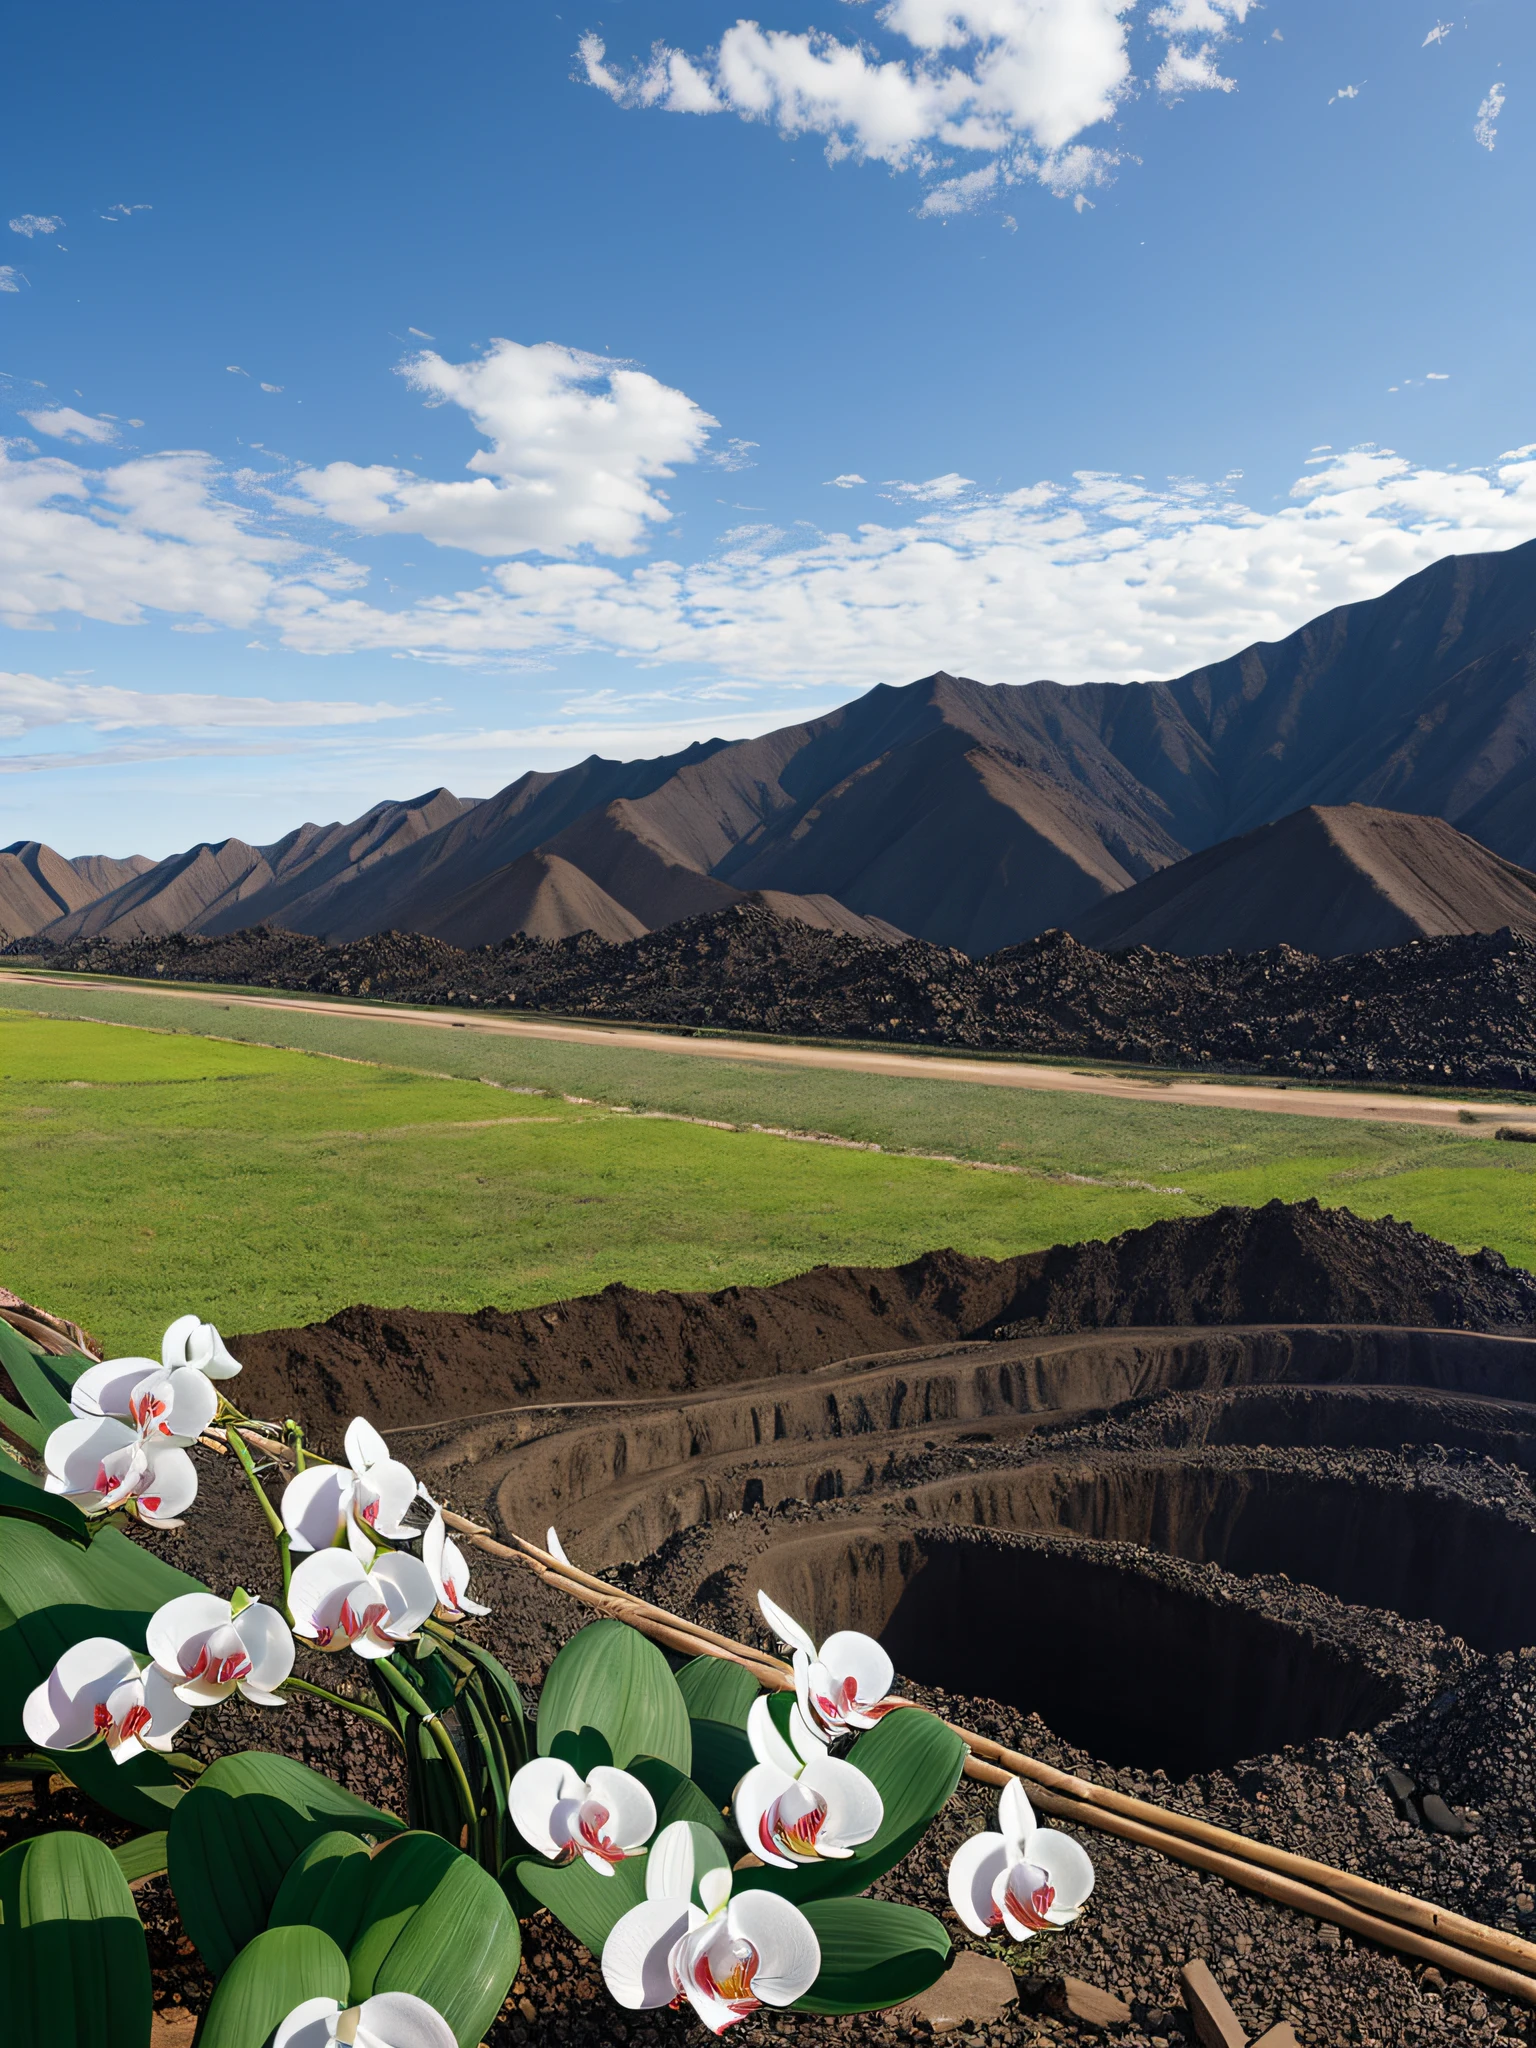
x=399 y=396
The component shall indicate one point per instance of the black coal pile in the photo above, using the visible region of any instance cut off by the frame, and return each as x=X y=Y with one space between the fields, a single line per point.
x=1458 y=1011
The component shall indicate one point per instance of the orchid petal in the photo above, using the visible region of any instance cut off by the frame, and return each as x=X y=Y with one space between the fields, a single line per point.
x=768 y=1744
x=974 y=1869
x=385 y=1493
x=316 y=1592
x=555 y=1547
x=541 y=1798
x=449 y=1568
x=1015 y=1815
x=76 y=1453
x=399 y=2019
x=859 y=1659
x=854 y=1808
x=785 y=1627
x=364 y=1446
x=173 y=1345
x=270 y=1645
x=191 y=1343
x=310 y=2025
x=714 y=1888
x=169 y=1714
x=408 y=1587
x=173 y=1407
x=167 y=1488
x=1022 y=1897
x=637 y=1954
x=1069 y=1868
x=61 y=1712
x=631 y=1809
x=789 y=1955
x=754 y=1804
x=107 y=1389
x=315 y=1504
x=669 y=1865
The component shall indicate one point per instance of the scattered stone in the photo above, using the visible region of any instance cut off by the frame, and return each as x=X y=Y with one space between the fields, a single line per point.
x=1281 y=2035
x=974 y=1987
x=1094 y=2007
x=1404 y=1791
x=1441 y=1819
x=1216 y=2025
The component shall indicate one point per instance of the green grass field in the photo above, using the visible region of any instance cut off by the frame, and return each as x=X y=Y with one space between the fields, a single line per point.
x=153 y=1168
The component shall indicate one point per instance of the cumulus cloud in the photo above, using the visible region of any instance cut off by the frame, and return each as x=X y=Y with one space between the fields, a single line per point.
x=29 y=703
x=1103 y=576
x=65 y=424
x=1485 y=127
x=30 y=224
x=1015 y=81
x=578 y=446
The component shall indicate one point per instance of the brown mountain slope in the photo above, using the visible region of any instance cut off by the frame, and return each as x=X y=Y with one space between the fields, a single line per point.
x=38 y=885
x=1327 y=880
x=319 y=858
x=826 y=914
x=174 y=895
x=540 y=894
x=638 y=866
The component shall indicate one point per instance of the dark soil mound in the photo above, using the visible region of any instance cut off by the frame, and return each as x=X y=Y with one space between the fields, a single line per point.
x=1456 y=1010
x=1279 y=1264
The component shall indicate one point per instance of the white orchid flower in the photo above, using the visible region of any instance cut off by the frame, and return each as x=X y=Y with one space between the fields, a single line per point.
x=197 y=1345
x=100 y=1463
x=172 y=1407
x=337 y=1604
x=1025 y=1878
x=449 y=1568
x=97 y=1689
x=842 y=1685
x=726 y=1956
x=390 y=2019
x=371 y=1492
x=206 y=1648
x=604 y=1817
x=797 y=1804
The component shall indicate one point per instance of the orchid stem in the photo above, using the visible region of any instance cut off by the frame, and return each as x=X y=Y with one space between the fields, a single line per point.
x=337 y=1699
x=409 y=1697
x=242 y=1451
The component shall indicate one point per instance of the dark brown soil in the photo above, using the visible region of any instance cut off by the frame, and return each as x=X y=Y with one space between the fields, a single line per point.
x=1283 y=1263
x=1449 y=1010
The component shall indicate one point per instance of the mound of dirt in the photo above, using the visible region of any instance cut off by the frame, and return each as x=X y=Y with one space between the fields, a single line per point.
x=1459 y=1010
x=1279 y=1264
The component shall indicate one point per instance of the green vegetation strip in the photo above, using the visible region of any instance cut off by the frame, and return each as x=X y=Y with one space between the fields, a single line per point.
x=155 y=1168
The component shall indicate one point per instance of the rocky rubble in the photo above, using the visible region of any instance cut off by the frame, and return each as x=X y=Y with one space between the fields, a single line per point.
x=1450 y=1011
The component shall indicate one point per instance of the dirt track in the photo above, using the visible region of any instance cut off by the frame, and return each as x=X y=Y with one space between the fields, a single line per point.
x=1283 y=1101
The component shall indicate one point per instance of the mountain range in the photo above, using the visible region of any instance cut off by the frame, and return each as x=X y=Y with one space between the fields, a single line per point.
x=971 y=815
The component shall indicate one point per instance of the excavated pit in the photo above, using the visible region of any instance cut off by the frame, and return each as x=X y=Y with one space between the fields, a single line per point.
x=1117 y=1655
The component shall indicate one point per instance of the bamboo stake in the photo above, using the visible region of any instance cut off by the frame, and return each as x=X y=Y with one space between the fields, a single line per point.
x=1491 y=1956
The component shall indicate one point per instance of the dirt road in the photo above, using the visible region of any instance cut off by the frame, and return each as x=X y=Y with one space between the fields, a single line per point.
x=1282 y=1100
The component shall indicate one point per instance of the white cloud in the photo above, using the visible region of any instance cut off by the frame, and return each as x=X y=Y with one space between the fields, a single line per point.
x=421 y=334
x=843 y=483
x=1346 y=92
x=65 y=424
x=1437 y=34
x=9 y=276
x=1104 y=576
x=1437 y=376
x=29 y=703
x=30 y=224
x=578 y=446
x=271 y=387
x=235 y=370
x=1484 y=128
x=735 y=455
x=1017 y=81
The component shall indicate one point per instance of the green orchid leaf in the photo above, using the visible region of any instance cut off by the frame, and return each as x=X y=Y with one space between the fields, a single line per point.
x=678 y=1798
x=431 y=1922
x=22 y=1494
x=39 y=1389
x=235 y=1835
x=715 y=1689
x=72 y=1951
x=914 y=1762
x=325 y=1888
x=722 y=1756
x=279 y=1969
x=586 y=1903
x=143 y=1857
x=611 y=1678
x=873 y=1955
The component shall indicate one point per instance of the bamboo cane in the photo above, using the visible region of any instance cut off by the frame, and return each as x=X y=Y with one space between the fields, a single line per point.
x=1491 y=1956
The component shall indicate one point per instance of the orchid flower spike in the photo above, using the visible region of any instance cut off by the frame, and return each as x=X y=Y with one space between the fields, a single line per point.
x=449 y=1568
x=372 y=1492
x=690 y=1939
x=191 y=1343
x=390 y=2019
x=842 y=1685
x=337 y=1604
x=797 y=1804
x=206 y=1648
x=604 y=1817
x=1024 y=1879
x=97 y=1690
